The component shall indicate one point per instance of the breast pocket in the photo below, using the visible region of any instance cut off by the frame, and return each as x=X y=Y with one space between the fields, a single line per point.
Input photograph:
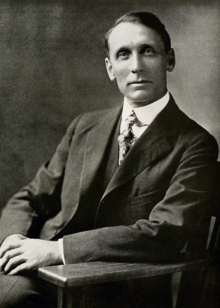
x=142 y=205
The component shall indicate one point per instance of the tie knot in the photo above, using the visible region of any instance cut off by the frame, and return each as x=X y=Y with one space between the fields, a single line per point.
x=131 y=119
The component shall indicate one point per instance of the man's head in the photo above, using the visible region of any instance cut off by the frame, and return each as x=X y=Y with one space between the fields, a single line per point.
x=139 y=54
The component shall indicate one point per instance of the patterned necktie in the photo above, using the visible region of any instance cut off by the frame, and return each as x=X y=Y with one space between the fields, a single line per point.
x=126 y=139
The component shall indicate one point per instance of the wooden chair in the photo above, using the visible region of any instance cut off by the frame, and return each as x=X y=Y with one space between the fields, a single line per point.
x=194 y=264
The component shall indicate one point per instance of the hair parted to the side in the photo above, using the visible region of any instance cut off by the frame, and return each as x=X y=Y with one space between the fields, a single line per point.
x=146 y=19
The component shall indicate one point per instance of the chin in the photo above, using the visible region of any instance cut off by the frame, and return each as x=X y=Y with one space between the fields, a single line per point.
x=142 y=99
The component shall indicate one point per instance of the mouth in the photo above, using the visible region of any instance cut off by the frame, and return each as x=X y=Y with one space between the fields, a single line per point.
x=137 y=82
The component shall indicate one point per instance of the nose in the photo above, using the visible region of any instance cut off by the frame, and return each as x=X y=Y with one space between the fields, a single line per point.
x=137 y=65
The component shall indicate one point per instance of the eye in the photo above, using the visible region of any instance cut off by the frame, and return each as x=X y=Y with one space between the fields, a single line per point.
x=148 y=51
x=122 y=54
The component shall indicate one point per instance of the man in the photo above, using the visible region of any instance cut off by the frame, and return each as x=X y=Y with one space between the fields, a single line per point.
x=126 y=184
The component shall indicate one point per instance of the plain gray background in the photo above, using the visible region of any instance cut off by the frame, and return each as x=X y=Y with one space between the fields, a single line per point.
x=52 y=69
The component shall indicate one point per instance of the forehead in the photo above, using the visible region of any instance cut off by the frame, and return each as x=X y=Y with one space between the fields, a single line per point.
x=131 y=34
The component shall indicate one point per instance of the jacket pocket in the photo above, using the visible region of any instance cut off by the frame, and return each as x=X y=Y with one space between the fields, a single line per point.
x=142 y=205
x=149 y=197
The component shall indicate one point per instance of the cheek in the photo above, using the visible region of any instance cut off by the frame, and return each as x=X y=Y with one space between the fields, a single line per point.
x=159 y=73
x=121 y=76
x=121 y=73
x=157 y=65
x=121 y=82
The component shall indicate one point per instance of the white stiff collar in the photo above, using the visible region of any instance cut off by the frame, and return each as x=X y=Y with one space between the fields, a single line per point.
x=148 y=113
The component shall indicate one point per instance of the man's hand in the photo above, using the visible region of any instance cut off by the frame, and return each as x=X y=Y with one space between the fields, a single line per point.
x=19 y=253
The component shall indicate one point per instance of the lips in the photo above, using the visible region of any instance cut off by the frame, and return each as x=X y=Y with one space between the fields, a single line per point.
x=139 y=82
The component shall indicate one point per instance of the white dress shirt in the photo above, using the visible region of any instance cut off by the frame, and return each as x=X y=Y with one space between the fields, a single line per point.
x=145 y=115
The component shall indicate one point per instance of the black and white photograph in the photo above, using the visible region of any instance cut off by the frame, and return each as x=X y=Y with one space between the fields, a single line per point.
x=110 y=165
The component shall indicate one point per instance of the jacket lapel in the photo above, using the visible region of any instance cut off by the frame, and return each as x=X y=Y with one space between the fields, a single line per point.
x=96 y=143
x=155 y=142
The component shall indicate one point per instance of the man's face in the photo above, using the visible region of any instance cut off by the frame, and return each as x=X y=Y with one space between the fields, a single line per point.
x=139 y=63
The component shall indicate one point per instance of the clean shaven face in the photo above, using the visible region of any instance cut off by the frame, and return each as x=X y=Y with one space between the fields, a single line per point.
x=138 y=61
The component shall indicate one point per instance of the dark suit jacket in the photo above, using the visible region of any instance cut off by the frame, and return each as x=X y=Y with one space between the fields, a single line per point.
x=153 y=203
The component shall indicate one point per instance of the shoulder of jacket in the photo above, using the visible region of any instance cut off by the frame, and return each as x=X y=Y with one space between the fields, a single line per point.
x=87 y=120
x=193 y=133
x=189 y=132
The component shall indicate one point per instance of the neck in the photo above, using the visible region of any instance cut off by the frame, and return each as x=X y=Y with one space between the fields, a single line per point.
x=138 y=104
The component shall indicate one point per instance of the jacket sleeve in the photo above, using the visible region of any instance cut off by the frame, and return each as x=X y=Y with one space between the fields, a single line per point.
x=171 y=222
x=28 y=209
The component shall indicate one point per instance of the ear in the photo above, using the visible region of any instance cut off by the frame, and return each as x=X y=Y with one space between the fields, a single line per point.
x=109 y=69
x=170 y=60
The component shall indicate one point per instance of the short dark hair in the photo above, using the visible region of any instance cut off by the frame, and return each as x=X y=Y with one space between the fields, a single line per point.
x=146 y=19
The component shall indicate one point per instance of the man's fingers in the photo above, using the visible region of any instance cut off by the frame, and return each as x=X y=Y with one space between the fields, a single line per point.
x=11 y=242
x=33 y=253
x=8 y=247
x=20 y=268
x=9 y=255
x=13 y=263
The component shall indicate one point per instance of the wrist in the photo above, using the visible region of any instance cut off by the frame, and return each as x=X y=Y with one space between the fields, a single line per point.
x=58 y=254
